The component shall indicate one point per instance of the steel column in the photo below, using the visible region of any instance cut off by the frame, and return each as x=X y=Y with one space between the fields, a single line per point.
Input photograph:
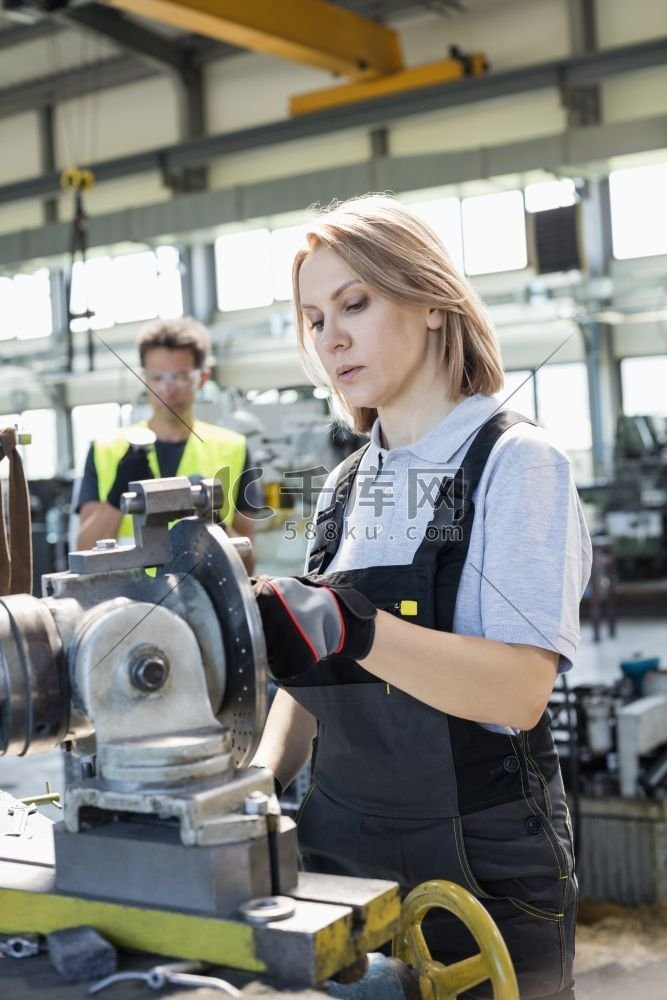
x=583 y=102
x=601 y=365
x=199 y=281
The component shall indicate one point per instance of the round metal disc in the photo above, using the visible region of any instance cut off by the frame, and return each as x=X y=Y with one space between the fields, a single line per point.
x=34 y=686
x=204 y=552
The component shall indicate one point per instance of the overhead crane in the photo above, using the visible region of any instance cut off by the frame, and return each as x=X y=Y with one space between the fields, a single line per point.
x=318 y=34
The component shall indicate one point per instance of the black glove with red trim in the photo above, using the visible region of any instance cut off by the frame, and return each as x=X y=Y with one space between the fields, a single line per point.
x=304 y=622
x=132 y=468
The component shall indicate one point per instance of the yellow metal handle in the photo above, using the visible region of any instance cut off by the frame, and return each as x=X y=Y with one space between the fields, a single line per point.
x=444 y=982
x=49 y=797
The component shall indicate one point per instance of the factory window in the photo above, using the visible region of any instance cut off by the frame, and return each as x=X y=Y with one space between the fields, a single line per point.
x=168 y=282
x=137 y=275
x=518 y=393
x=494 y=233
x=39 y=457
x=549 y=194
x=562 y=405
x=639 y=211
x=643 y=381
x=94 y=420
x=91 y=296
x=444 y=217
x=147 y=285
x=25 y=306
x=127 y=288
x=284 y=245
x=243 y=270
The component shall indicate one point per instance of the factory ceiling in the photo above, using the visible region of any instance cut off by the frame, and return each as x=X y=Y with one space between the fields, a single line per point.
x=129 y=49
x=125 y=48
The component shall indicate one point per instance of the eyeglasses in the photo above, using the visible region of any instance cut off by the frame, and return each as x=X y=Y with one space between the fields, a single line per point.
x=180 y=379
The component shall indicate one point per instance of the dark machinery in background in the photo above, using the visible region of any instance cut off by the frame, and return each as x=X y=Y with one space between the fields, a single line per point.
x=633 y=505
x=50 y=505
x=636 y=509
x=612 y=740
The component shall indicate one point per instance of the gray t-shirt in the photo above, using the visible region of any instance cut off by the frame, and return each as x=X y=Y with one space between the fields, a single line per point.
x=529 y=558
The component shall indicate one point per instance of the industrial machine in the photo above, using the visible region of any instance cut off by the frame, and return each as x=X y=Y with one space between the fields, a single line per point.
x=612 y=740
x=633 y=504
x=616 y=733
x=147 y=664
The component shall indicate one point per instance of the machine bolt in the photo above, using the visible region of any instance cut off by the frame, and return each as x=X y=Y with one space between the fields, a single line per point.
x=149 y=672
x=256 y=804
x=105 y=543
x=132 y=503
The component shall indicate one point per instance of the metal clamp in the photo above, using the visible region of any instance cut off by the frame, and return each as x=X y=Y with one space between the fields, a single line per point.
x=154 y=503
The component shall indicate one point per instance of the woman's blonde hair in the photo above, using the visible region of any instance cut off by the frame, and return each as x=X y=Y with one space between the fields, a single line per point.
x=402 y=259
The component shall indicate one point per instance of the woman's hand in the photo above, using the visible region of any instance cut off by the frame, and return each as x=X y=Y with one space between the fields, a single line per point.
x=305 y=622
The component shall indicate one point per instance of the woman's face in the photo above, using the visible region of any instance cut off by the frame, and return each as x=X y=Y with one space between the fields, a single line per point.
x=376 y=353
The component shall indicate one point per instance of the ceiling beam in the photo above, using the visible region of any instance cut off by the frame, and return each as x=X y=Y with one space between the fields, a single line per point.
x=22 y=33
x=309 y=31
x=368 y=114
x=575 y=70
x=150 y=46
x=190 y=217
x=30 y=95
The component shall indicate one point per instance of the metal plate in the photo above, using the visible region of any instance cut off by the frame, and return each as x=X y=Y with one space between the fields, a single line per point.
x=204 y=552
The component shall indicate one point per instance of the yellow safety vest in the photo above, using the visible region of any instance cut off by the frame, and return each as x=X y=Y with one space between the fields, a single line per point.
x=209 y=451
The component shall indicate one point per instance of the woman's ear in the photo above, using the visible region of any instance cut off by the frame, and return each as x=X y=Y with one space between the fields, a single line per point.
x=435 y=319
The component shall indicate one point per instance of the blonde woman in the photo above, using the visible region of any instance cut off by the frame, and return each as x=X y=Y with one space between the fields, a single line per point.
x=440 y=603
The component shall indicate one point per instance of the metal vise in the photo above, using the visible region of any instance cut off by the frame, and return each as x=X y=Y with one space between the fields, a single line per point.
x=155 y=685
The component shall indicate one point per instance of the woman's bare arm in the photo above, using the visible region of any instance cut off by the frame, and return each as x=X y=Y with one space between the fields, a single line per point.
x=468 y=676
x=287 y=740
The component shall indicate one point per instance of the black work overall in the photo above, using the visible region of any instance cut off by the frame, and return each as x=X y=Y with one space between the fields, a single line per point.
x=405 y=792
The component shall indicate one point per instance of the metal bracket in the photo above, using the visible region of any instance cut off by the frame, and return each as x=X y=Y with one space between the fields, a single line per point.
x=153 y=504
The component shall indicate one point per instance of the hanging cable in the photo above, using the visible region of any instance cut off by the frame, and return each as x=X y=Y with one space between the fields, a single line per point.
x=54 y=66
x=78 y=128
x=78 y=181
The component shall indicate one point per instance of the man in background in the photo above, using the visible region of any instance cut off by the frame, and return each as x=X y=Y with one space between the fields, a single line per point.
x=174 y=356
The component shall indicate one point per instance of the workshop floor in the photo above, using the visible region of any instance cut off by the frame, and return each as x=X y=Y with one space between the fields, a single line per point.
x=621 y=952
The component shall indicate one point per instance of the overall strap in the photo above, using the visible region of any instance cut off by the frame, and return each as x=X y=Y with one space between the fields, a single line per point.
x=480 y=449
x=329 y=522
x=450 y=523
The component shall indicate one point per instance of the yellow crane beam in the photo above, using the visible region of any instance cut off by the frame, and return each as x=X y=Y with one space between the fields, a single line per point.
x=308 y=31
x=415 y=78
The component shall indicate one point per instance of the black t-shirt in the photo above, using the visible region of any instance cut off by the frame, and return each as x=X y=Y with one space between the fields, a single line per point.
x=249 y=499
